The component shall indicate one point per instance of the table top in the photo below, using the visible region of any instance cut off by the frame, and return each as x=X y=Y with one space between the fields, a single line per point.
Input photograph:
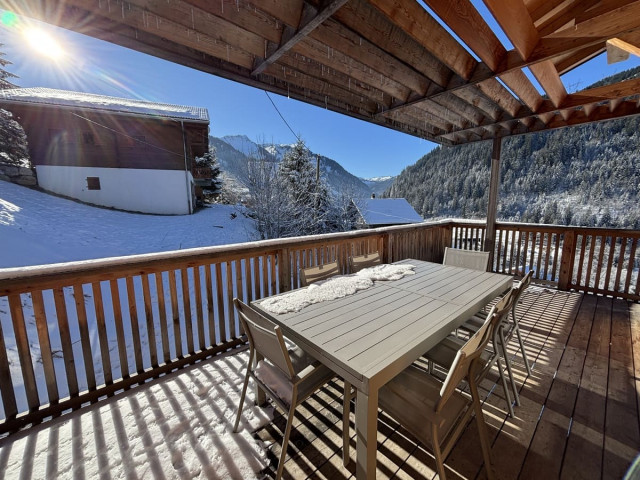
x=369 y=337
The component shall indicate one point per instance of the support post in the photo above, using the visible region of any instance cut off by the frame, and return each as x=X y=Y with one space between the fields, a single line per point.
x=492 y=207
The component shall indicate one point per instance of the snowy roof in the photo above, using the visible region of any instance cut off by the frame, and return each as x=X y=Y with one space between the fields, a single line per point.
x=50 y=96
x=387 y=211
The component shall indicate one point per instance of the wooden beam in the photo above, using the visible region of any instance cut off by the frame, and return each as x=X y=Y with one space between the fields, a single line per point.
x=519 y=84
x=514 y=19
x=547 y=75
x=566 y=63
x=462 y=17
x=417 y=23
x=492 y=206
x=619 y=50
x=311 y=18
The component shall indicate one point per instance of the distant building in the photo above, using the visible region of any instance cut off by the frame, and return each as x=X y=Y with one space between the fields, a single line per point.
x=115 y=152
x=384 y=212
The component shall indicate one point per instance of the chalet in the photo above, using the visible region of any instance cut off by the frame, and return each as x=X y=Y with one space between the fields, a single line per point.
x=385 y=212
x=114 y=152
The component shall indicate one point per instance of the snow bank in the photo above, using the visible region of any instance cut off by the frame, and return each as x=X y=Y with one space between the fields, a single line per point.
x=335 y=287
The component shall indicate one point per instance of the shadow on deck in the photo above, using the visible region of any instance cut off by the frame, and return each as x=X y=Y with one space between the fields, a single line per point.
x=578 y=416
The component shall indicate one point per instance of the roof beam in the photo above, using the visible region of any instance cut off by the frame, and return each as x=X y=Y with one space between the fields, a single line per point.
x=515 y=21
x=311 y=18
x=619 y=50
x=547 y=75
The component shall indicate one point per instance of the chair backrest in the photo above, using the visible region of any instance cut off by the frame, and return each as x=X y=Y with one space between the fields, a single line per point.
x=321 y=272
x=456 y=257
x=474 y=347
x=363 y=261
x=521 y=287
x=265 y=337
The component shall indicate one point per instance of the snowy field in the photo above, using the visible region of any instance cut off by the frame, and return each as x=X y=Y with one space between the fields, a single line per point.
x=37 y=228
x=177 y=427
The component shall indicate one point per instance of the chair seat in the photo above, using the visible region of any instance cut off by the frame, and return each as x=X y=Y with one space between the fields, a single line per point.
x=311 y=372
x=410 y=398
x=445 y=352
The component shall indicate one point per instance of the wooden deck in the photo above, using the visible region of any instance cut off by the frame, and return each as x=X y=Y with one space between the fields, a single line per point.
x=578 y=416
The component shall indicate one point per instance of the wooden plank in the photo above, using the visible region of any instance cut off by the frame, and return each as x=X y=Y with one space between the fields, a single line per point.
x=612 y=251
x=583 y=247
x=7 y=390
x=621 y=262
x=135 y=328
x=547 y=75
x=222 y=323
x=175 y=309
x=593 y=241
x=117 y=320
x=46 y=356
x=186 y=309
x=599 y=265
x=164 y=313
x=199 y=310
x=516 y=23
x=210 y=305
x=150 y=326
x=230 y=309
x=622 y=434
x=96 y=291
x=65 y=341
x=492 y=206
x=632 y=257
x=549 y=237
x=24 y=351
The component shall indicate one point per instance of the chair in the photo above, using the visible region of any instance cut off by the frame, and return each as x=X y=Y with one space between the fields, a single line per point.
x=321 y=272
x=507 y=330
x=466 y=258
x=444 y=353
x=435 y=412
x=288 y=377
x=363 y=261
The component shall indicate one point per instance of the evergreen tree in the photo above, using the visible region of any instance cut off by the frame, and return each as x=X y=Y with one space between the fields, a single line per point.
x=210 y=160
x=13 y=140
x=4 y=75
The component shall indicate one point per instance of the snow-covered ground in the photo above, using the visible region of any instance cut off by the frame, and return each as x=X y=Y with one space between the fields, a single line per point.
x=177 y=427
x=37 y=228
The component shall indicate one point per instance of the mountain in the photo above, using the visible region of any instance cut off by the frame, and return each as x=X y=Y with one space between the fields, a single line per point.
x=587 y=175
x=378 y=185
x=234 y=151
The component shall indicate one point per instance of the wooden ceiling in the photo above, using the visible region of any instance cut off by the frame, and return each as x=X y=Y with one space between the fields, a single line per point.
x=389 y=62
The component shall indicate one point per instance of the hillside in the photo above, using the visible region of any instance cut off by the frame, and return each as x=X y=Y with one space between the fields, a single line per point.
x=588 y=175
x=234 y=151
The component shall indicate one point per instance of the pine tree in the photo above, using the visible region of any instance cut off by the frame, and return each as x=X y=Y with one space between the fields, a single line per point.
x=4 y=75
x=210 y=160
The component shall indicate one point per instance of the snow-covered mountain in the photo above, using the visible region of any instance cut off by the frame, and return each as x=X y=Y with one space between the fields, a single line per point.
x=233 y=152
x=378 y=184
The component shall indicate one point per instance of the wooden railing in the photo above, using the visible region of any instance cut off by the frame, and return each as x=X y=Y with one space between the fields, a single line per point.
x=77 y=332
x=594 y=260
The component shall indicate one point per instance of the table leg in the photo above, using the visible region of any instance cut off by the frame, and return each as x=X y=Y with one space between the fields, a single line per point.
x=366 y=434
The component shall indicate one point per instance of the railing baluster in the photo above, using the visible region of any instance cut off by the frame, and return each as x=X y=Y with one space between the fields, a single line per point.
x=7 y=389
x=135 y=328
x=148 y=314
x=599 y=265
x=40 y=315
x=117 y=319
x=188 y=314
x=102 y=332
x=632 y=258
x=583 y=247
x=222 y=328
x=556 y=258
x=175 y=310
x=612 y=251
x=199 y=312
x=65 y=341
x=24 y=352
x=210 y=314
x=164 y=314
x=540 y=252
x=623 y=247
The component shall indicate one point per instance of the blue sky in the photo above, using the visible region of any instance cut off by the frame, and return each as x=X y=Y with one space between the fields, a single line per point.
x=95 y=66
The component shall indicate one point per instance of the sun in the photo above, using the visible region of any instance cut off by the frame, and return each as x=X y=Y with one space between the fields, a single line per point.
x=44 y=44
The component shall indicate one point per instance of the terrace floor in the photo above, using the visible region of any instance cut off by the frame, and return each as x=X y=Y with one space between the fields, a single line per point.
x=578 y=416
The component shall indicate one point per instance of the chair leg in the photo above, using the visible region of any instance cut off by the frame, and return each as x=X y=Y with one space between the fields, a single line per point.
x=244 y=392
x=482 y=430
x=507 y=397
x=346 y=403
x=505 y=354
x=524 y=352
x=285 y=441
x=437 y=452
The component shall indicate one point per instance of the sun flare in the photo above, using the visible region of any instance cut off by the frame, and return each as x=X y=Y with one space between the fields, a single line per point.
x=44 y=44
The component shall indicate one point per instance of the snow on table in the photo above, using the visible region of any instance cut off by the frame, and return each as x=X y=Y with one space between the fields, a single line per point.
x=180 y=426
x=335 y=287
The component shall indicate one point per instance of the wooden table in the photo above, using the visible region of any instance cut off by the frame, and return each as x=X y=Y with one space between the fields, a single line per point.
x=371 y=336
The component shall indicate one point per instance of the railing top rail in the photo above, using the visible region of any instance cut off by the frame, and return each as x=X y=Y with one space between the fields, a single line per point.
x=114 y=267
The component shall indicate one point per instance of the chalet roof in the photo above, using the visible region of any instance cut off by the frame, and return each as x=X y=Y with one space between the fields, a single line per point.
x=67 y=98
x=435 y=69
x=387 y=211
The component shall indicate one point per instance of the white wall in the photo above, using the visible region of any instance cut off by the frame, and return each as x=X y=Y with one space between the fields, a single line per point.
x=165 y=192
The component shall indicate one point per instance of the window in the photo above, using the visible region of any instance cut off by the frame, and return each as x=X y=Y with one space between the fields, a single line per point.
x=93 y=183
x=88 y=138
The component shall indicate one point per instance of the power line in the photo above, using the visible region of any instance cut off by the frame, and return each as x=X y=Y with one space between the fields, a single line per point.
x=283 y=119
